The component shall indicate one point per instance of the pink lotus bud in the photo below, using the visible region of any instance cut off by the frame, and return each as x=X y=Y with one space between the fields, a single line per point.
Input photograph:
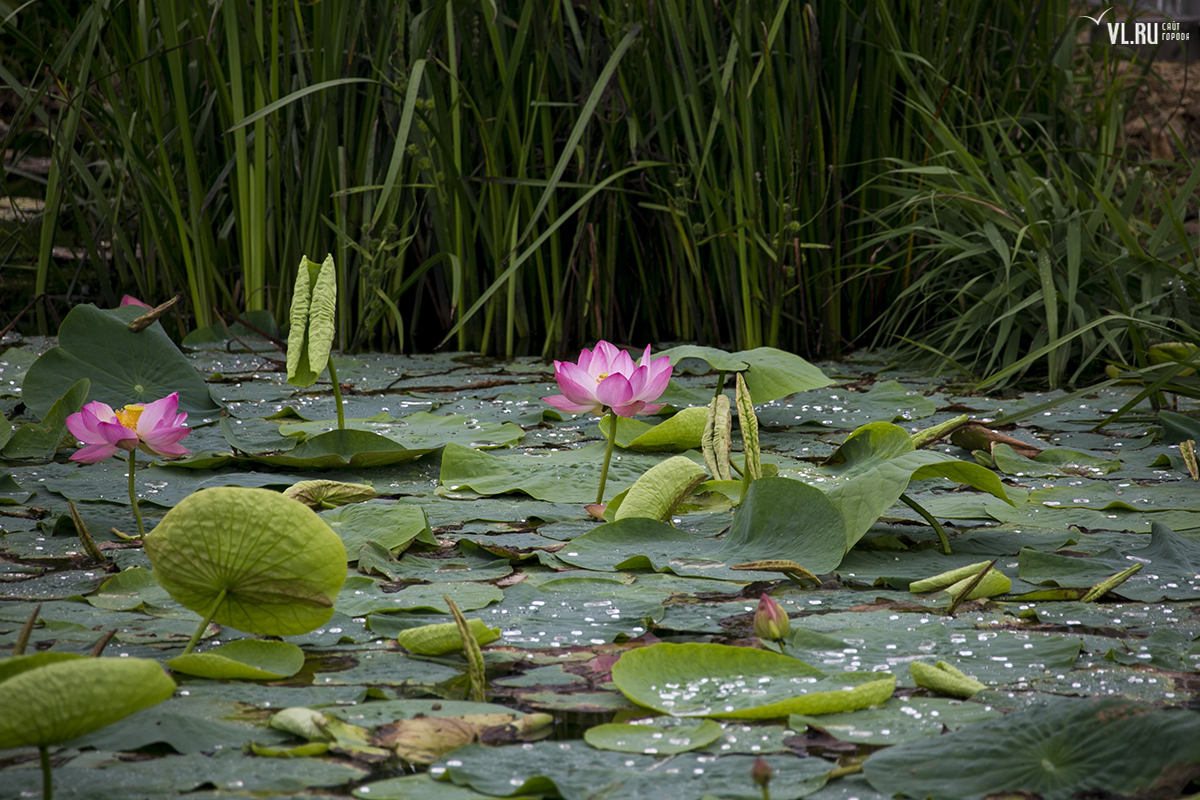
x=770 y=620
x=761 y=772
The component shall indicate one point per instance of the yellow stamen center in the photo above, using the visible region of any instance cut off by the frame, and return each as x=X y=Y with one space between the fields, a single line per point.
x=128 y=416
x=601 y=377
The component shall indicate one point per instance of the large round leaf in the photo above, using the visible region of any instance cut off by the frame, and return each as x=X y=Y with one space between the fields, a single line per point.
x=278 y=563
x=716 y=680
x=123 y=367
x=62 y=700
x=1054 y=751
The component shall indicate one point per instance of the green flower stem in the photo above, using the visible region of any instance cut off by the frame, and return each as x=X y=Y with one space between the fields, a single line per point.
x=337 y=395
x=937 y=526
x=191 y=645
x=720 y=382
x=137 y=512
x=47 y=778
x=612 y=440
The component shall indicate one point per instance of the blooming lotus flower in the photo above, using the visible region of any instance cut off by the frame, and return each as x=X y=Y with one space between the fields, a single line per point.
x=154 y=428
x=607 y=377
x=770 y=620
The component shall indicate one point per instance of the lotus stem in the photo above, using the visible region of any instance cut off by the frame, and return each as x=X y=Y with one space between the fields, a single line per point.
x=47 y=776
x=337 y=395
x=720 y=383
x=937 y=526
x=137 y=512
x=612 y=440
x=191 y=645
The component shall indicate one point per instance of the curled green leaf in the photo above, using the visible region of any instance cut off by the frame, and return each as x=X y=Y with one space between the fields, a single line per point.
x=313 y=314
x=718 y=438
x=323 y=495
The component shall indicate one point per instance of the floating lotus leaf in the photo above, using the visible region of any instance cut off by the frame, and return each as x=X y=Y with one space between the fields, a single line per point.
x=716 y=680
x=321 y=495
x=269 y=564
x=65 y=699
x=41 y=439
x=770 y=373
x=1054 y=751
x=244 y=659
x=665 y=736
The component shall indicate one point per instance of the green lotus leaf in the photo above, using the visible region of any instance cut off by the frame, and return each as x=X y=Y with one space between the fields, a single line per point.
x=786 y=519
x=62 y=700
x=123 y=367
x=442 y=638
x=716 y=680
x=394 y=526
x=683 y=431
x=1054 y=751
x=320 y=495
x=41 y=439
x=15 y=665
x=314 y=306
x=770 y=373
x=268 y=564
x=244 y=659
x=665 y=736
x=661 y=489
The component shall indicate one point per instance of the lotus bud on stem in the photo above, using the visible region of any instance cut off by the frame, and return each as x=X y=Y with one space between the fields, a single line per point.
x=761 y=772
x=771 y=621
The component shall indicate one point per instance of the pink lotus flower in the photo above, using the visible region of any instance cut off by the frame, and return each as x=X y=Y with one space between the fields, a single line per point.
x=153 y=428
x=130 y=300
x=607 y=378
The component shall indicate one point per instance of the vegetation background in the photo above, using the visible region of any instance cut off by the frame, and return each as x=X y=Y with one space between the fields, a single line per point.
x=523 y=178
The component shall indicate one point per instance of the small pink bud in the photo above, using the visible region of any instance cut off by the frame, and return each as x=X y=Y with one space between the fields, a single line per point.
x=761 y=772
x=770 y=620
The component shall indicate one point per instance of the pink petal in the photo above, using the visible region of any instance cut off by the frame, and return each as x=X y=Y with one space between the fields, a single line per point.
x=576 y=384
x=629 y=409
x=637 y=381
x=564 y=404
x=130 y=300
x=614 y=390
x=652 y=408
x=585 y=360
x=622 y=364
x=164 y=449
x=603 y=357
x=94 y=453
x=645 y=360
x=659 y=375
x=159 y=414
x=82 y=424
x=117 y=435
x=157 y=440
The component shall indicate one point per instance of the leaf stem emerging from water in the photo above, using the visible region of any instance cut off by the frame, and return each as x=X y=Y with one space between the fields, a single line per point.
x=612 y=440
x=137 y=512
x=337 y=395
x=191 y=645
x=937 y=526
x=47 y=778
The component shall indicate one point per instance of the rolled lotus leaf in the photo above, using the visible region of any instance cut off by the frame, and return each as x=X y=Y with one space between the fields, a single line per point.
x=65 y=699
x=436 y=640
x=278 y=564
x=310 y=337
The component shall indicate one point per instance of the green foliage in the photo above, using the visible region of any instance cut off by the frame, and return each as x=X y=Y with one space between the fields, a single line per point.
x=702 y=680
x=123 y=367
x=60 y=700
x=501 y=173
x=312 y=321
x=245 y=659
x=249 y=558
